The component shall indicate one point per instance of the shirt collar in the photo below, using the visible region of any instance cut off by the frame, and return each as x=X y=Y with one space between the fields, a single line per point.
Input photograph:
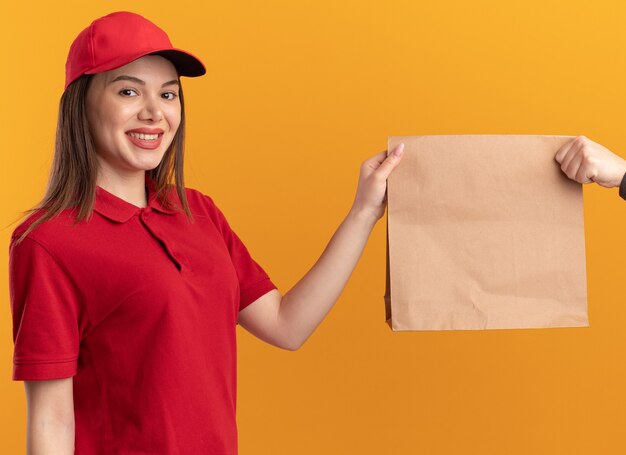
x=117 y=209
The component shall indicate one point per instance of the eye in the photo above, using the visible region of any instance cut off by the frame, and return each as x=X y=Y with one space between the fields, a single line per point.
x=170 y=95
x=126 y=90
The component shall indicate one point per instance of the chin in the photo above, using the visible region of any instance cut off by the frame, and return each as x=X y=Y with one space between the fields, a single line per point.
x=145 y=164
x=151 y=165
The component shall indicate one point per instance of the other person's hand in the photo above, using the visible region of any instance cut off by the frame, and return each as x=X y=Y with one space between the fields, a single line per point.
x=586 y=161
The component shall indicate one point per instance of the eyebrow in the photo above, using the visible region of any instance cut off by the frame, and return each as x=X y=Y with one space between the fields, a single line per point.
x=139 y=81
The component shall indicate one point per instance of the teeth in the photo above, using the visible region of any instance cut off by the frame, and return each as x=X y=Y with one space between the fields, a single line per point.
x=145 y=137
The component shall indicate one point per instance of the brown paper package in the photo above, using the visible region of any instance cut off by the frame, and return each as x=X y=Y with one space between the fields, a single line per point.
x=483 y=232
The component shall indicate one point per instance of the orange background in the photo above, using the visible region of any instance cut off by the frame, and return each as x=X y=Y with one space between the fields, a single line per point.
x=297 y=95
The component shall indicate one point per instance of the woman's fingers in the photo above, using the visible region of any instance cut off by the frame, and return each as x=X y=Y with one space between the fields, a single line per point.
x=390 y=162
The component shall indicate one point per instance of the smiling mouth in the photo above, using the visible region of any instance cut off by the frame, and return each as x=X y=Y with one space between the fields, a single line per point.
x=144 y=140
x=145 y=137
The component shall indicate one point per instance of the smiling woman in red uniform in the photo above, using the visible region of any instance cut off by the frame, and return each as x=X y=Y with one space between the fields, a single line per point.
x=126 y=287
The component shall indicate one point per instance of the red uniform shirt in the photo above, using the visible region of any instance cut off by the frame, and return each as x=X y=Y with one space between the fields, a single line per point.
x=140 y=306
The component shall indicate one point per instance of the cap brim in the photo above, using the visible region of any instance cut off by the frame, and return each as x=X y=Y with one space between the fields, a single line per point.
x=186 y=64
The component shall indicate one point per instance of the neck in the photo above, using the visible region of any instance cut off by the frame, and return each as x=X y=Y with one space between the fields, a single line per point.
x=131 y=188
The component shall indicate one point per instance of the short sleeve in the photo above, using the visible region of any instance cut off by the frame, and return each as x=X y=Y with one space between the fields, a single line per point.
x=254 y=282
x=46 y=310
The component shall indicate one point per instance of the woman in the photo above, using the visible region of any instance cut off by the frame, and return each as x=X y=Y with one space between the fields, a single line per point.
x=126 y=289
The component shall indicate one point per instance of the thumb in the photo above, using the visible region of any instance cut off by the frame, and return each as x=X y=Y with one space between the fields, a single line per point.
x=392 y=160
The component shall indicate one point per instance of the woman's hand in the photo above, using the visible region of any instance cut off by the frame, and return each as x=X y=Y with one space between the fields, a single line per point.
x=585 y=161
x=371 y=194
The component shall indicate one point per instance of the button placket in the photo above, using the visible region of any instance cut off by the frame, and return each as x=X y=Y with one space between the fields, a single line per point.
x=154 y=233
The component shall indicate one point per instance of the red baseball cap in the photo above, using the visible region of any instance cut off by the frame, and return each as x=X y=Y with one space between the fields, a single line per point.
x=119 y=38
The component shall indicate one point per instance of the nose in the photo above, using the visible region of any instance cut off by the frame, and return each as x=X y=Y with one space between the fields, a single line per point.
x=151 y=110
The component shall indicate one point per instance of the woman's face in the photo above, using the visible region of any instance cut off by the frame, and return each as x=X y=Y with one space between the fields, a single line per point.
x=133 y=114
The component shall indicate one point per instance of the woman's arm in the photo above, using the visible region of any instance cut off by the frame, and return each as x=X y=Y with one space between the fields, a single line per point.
x=288 y=321
x=305 y=306
x=50 y=427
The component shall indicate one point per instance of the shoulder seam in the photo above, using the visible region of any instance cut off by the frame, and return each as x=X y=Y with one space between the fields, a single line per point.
x=199 y=193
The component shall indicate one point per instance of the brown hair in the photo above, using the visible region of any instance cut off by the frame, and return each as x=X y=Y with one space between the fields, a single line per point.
x=72 y=181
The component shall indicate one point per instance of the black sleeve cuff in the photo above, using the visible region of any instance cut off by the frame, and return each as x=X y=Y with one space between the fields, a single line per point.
x=622 y=188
